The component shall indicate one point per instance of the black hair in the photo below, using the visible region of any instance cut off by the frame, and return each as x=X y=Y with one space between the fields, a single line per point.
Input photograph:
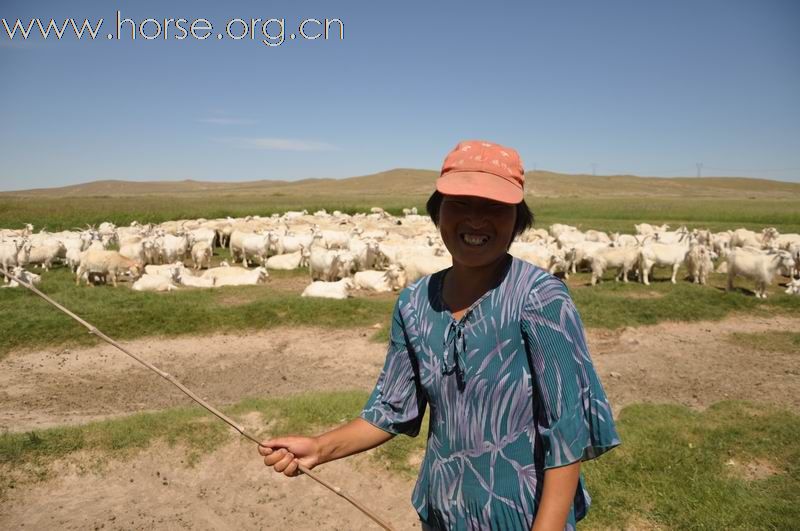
x=524 y=214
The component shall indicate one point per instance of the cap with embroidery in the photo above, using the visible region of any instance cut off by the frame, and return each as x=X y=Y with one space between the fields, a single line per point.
x=483 y=169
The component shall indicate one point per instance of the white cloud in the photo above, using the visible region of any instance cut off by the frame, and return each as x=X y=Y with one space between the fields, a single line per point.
x=279 y=144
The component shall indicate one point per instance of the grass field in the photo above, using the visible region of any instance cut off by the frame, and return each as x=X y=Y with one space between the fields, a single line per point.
x=125 y=314
x=30 y=322
x=608 y=214
x=734 y=466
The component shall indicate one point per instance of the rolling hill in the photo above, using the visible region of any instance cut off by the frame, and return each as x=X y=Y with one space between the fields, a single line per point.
x=417 y=183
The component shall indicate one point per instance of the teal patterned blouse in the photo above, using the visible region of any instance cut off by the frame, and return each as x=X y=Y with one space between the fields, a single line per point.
x=512 y=392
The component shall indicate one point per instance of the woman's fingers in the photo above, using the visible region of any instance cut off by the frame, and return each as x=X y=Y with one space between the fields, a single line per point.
x=275 y=456
x=291 y=469
x=285 y=454
x=264 y=450
x=284 y=462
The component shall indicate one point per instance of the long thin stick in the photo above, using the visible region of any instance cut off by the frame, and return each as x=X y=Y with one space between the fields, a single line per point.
x=305 y=470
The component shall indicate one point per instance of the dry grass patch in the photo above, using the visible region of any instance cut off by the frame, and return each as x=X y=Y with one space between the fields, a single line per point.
x=644 y=295
x=753 y=470
x=240 y=298
x=640 y=523
x=771 y=341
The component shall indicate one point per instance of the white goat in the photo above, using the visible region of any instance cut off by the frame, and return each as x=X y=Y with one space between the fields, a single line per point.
x=201 y=255
x=661 y=255
x=757 y=266
x=387 y=281
x=153 y=283
x=324 y=264
x=105 y=264
x=14 y=253
x=329 y=290
x=623 y=259
x=46 y=252
x=698 y=262
x=236 y=276
x=25 y=276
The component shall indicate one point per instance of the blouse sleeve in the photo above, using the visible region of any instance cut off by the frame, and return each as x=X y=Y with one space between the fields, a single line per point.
x=397 y=404
x=573 y=417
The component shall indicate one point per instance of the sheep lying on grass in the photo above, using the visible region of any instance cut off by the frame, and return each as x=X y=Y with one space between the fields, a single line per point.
x=153 y=283
x=25 y=276
x=329 y=290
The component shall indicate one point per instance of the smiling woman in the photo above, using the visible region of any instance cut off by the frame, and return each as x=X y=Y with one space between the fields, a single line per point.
x=497 y=348
x=524 y=216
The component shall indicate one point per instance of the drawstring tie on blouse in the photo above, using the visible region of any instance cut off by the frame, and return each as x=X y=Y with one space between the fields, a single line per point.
x=456 y=342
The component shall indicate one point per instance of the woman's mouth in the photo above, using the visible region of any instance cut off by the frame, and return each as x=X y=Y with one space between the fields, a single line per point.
x=475 y=240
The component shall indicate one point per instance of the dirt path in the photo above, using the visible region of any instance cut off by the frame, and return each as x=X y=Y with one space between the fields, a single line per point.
x=686 y=363
x=230 y=489
x=55 y=386
x=696 y=364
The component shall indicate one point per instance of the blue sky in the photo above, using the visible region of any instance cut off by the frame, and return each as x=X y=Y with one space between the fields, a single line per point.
x=642 y=87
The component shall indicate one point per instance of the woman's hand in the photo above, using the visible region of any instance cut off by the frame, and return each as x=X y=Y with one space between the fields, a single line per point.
x=284 y=453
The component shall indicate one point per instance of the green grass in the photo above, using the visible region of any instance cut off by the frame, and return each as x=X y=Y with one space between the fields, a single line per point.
x=191 y=426
x=130 y=433
x=772 y=341
x=616 y=304
x=69 y=212
x=608 y=214
x=713 y=214
x=672 y=469
x=29 y=322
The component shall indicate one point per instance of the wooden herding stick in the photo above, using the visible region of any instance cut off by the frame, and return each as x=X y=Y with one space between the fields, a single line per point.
x=304 y=469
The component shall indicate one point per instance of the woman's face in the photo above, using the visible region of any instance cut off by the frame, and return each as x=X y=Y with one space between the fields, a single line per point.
x=476 y=231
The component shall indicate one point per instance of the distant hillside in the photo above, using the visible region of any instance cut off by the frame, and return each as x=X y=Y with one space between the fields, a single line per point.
x=415 y=183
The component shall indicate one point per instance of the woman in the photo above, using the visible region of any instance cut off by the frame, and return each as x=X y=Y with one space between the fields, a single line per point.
x=497 y=348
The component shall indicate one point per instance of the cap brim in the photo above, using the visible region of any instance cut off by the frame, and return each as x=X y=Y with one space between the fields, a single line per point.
x=479 y=184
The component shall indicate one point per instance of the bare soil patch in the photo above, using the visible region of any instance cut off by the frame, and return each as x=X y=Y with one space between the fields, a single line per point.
x=693 y=364
x=228 y=489
x=58 y=386
x=644 y=295
x=755 y=470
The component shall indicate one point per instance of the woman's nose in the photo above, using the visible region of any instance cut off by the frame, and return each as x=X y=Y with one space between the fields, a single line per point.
x=478 y=216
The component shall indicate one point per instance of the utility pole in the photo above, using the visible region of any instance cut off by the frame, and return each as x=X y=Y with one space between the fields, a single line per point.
x=594 y=169
x=699 y=169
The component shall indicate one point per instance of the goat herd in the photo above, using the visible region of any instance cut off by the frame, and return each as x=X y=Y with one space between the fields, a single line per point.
x=377 y=252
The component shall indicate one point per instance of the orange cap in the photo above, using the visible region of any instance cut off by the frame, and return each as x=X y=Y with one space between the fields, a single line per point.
x=483 y=169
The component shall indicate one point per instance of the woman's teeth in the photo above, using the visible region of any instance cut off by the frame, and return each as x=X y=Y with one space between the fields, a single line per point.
x=474 y=239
